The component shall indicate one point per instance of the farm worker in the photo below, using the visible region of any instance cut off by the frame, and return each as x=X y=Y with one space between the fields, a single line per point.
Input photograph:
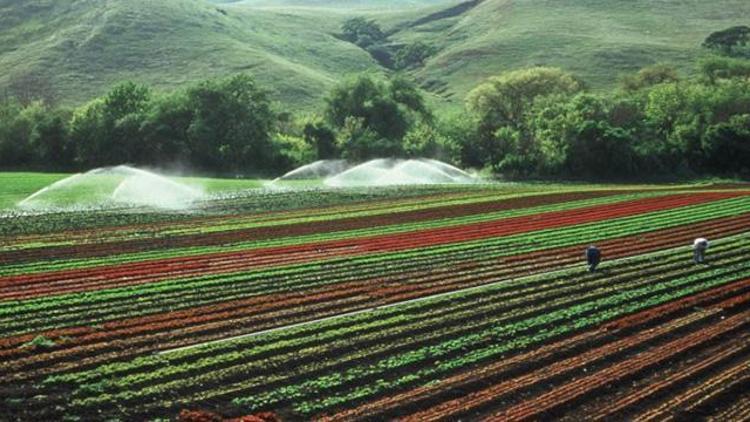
x=593 y=257
x=699 y=250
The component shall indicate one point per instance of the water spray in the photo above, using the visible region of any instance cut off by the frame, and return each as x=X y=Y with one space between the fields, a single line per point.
x=113 y=187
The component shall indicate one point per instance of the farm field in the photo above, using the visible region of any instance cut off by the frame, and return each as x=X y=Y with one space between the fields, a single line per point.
x=422 y=303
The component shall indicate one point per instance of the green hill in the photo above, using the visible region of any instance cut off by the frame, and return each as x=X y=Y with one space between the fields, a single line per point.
x=598 y=40
x=85 y=46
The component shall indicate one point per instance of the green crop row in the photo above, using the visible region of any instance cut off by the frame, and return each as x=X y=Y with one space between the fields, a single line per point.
x=467 y=312
x=447 y=307
x=575 y=317
x=30 y=268
x=247 y=202
x=468 y=348
x=199 y=225
x=264 y=282
x=656 y=220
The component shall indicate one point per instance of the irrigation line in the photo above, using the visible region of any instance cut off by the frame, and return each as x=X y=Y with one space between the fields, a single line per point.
x=566 y=269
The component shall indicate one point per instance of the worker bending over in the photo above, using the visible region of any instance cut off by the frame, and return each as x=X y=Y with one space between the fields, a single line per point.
x=593 y=257
x=699 y=250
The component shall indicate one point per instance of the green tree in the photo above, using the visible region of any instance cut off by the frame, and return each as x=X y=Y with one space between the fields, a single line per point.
x=458 y=132
x=670 y=112
x=648 y=77
x=412 y=55
x=322 y=138
x=552 y=129
x=503 y=99
x=107 y=130
x=681 y=115
x=16 y=125
x=383 y=111
x=87 y=131
x=50 y=140
x=598 y=148
x=290 y=152
x=511 y=152
x=727 y=40
x=714 y=69
x=424 y=140
x=408 y=96
x=231 y=125
x=499 y=107
x=358 y=142
x=727 y=145
x=165 y=129
x=361 y=31
x=579 y=136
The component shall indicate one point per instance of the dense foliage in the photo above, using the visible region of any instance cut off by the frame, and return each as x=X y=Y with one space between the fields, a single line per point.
x=221 y=125
x=729 y=39
x=361 y=31
x=373 y=117
x=530 y=122
x=541 y=122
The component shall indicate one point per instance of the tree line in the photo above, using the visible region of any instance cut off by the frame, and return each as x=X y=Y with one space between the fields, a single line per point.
x=543 y=121
x=526 y=123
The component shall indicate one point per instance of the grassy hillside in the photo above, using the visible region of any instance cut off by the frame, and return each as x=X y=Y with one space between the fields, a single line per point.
x=85 y=46
x=597 y=39
x=340 y=5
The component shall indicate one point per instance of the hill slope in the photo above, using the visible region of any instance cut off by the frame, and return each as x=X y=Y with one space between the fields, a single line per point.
x=85 y=46
x=596 y=39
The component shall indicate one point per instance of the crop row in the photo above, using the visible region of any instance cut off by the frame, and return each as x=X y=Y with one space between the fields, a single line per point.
x=243 y=203
x=176 y=255
x=29 y=267
x=478 y=230
x=700 y=363
x=327 y=401
x=71 y=273
x=278 y=257
x=280 y=239
x=255 y=282
x=347 y=273
x=700 y=393
x=312 y=221
x=196 y=222
x=324 y=393
x=735 y=409
x=479 y=270
x=475 y=399
x=453 y=393
x=119 y=277
x=144 y=335
x=253 y=307
x=655 y=355
x=524 y=285
x=458 y=350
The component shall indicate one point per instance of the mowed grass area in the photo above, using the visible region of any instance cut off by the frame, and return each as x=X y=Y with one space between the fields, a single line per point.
x=83 y=48
x=15 y=186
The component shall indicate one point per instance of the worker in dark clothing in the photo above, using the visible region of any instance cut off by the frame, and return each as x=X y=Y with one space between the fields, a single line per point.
x=699 y=250
x=593 y=257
